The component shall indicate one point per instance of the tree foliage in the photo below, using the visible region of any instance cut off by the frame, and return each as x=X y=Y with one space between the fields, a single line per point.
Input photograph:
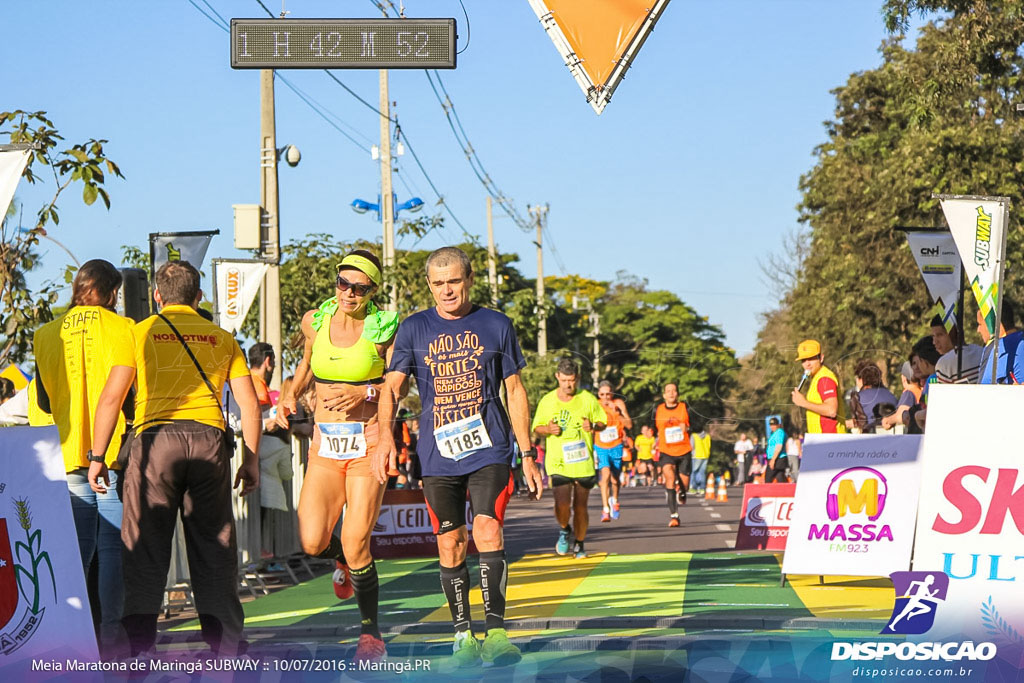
x=935 y=119
x=85 y=164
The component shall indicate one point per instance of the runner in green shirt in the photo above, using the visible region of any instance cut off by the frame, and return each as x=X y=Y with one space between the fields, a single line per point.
x=567 y=420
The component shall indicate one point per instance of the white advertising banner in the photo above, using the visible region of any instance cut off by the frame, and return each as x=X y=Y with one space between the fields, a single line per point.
x=939 y=262
x=970 y=523
x=12 y=165
x=978 y=225
x=238 y=282
x=44 y=606
x=855 y=504
x=180 y=246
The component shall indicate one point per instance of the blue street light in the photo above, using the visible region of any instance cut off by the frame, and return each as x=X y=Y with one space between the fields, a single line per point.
x=412 y=206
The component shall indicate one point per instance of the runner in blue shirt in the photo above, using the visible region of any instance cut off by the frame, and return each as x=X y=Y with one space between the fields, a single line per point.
x=460 y=355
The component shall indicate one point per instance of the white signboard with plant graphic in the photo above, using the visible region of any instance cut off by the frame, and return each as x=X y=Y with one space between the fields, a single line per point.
x=44 y=606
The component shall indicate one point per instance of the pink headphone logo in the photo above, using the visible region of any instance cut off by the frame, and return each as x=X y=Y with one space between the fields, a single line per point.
x=832 y=497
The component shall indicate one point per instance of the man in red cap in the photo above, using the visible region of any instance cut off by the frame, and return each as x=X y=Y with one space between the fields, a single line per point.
x=825 y=413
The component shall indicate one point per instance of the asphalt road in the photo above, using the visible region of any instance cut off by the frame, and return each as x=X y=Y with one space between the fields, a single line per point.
x=642 y=527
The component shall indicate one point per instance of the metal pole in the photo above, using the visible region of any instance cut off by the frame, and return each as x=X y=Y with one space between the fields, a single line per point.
x=539 y=212
x=595 y=319
x=270 y=242
x=387 y=206
x=492 y=266
x=960 y=326
x=999 y=291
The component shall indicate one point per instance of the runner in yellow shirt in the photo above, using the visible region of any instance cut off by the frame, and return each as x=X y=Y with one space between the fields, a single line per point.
x=645 y=454
x=567 y=419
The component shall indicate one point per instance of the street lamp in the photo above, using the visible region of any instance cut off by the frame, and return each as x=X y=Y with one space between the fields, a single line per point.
x=412 y=206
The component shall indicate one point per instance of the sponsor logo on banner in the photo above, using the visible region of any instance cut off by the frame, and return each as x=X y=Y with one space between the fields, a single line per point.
x=855 y=493
x=767 y=511
x=233 y=277
x=918 y=595
x=982 y=238
x=26 y=581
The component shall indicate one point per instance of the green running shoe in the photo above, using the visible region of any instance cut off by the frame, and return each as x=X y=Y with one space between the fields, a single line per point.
x=465 y=652
x=498 y=650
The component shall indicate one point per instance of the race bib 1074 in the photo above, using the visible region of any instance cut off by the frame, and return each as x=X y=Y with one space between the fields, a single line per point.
x=342 y=440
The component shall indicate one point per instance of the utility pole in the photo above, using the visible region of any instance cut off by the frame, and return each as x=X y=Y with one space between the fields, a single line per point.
x=595 y=329
x=492 y=266
x=270 y=240
x=540 y=214
x=387 y=204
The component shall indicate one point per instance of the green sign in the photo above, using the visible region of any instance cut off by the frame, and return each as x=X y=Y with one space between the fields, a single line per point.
x=343 y=43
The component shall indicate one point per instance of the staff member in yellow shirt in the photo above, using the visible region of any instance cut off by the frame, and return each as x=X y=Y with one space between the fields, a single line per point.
x=180 y=460
x=74 y=356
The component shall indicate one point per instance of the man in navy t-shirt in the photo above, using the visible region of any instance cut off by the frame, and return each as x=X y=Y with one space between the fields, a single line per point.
x=460 y=354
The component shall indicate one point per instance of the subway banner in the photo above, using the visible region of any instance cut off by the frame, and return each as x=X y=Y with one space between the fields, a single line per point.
x=237 y=283
x=767 y=512
x=855 y=505
x=404 y=529
x=978 y=224
x=969 y=552
x=44 y=606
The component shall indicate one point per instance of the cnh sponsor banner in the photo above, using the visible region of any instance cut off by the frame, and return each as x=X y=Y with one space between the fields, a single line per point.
x=978 y=224
x=44 y=606
x=403 y=528
x=179 y=246
x=939 y=262
x=970 y=522
x=767 y=511
x=238 y=282
x=855 y=505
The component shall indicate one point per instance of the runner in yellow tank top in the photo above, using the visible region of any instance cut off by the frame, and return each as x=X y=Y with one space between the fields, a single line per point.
x=347 y=341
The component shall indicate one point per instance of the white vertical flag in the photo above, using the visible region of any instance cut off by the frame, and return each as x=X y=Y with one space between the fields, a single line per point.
x=12 y=165
x=978 y=224
x=180 y=246
x=237 y=285
x=936 y=256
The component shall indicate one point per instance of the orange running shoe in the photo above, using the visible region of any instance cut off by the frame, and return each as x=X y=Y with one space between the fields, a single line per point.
x=673 y=521
x=605 y=517
x=342 y=583
x=370 y=649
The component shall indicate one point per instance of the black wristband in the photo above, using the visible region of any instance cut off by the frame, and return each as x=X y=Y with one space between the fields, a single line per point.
x=532 y=454
x=94 y=458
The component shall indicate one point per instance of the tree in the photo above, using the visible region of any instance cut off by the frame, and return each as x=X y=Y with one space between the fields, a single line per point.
x=938 y=118
x=84 y=163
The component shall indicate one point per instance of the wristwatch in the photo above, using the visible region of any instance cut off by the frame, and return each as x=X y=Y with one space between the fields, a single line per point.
x=371 y=393
x=532 y=454
x=94 y=458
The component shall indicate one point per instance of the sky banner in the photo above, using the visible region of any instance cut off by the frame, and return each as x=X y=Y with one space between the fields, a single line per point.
x=855 y=506
x=238 y=281
x=598 y=39
x=179 y=246
x=939 y=262
x=970 y=522
x=978 y=224
x=12 y=165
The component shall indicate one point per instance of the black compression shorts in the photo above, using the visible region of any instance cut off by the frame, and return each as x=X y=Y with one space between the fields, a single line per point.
x=683 y=463
x=586 y=482
x=489 y=487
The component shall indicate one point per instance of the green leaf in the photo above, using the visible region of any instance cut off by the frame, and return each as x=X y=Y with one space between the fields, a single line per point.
x=89 y=194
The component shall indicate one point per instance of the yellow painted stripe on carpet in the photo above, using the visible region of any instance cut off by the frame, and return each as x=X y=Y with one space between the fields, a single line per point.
x=849 y=597
x=537 y=586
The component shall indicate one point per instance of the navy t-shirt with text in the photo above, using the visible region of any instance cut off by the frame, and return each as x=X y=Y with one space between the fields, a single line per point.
x=459 y=366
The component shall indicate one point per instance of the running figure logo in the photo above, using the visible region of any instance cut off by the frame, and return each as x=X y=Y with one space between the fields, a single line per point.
x=918 y=595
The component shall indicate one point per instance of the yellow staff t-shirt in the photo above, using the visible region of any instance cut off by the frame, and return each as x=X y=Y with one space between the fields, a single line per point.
x=169 y=385
x=74 y=356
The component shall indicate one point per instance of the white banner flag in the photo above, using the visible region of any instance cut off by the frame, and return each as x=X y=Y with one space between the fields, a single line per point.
x=237 y=285
x=939 y=262
x=12 y=165
x=978 y=225
x=180 y=246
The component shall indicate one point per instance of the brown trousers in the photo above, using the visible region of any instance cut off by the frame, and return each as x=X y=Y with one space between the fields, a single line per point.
x=180 y=466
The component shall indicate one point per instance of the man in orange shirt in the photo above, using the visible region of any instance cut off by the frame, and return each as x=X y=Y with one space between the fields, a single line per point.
x=672 y=420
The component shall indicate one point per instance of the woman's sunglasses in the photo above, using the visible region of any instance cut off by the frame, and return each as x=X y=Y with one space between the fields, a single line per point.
x=357 y=289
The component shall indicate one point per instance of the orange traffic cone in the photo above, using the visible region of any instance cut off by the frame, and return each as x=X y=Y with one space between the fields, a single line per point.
x=723 y=495
x=709 y=490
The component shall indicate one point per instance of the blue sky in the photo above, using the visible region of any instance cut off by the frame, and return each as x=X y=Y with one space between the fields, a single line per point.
x=689 y=177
